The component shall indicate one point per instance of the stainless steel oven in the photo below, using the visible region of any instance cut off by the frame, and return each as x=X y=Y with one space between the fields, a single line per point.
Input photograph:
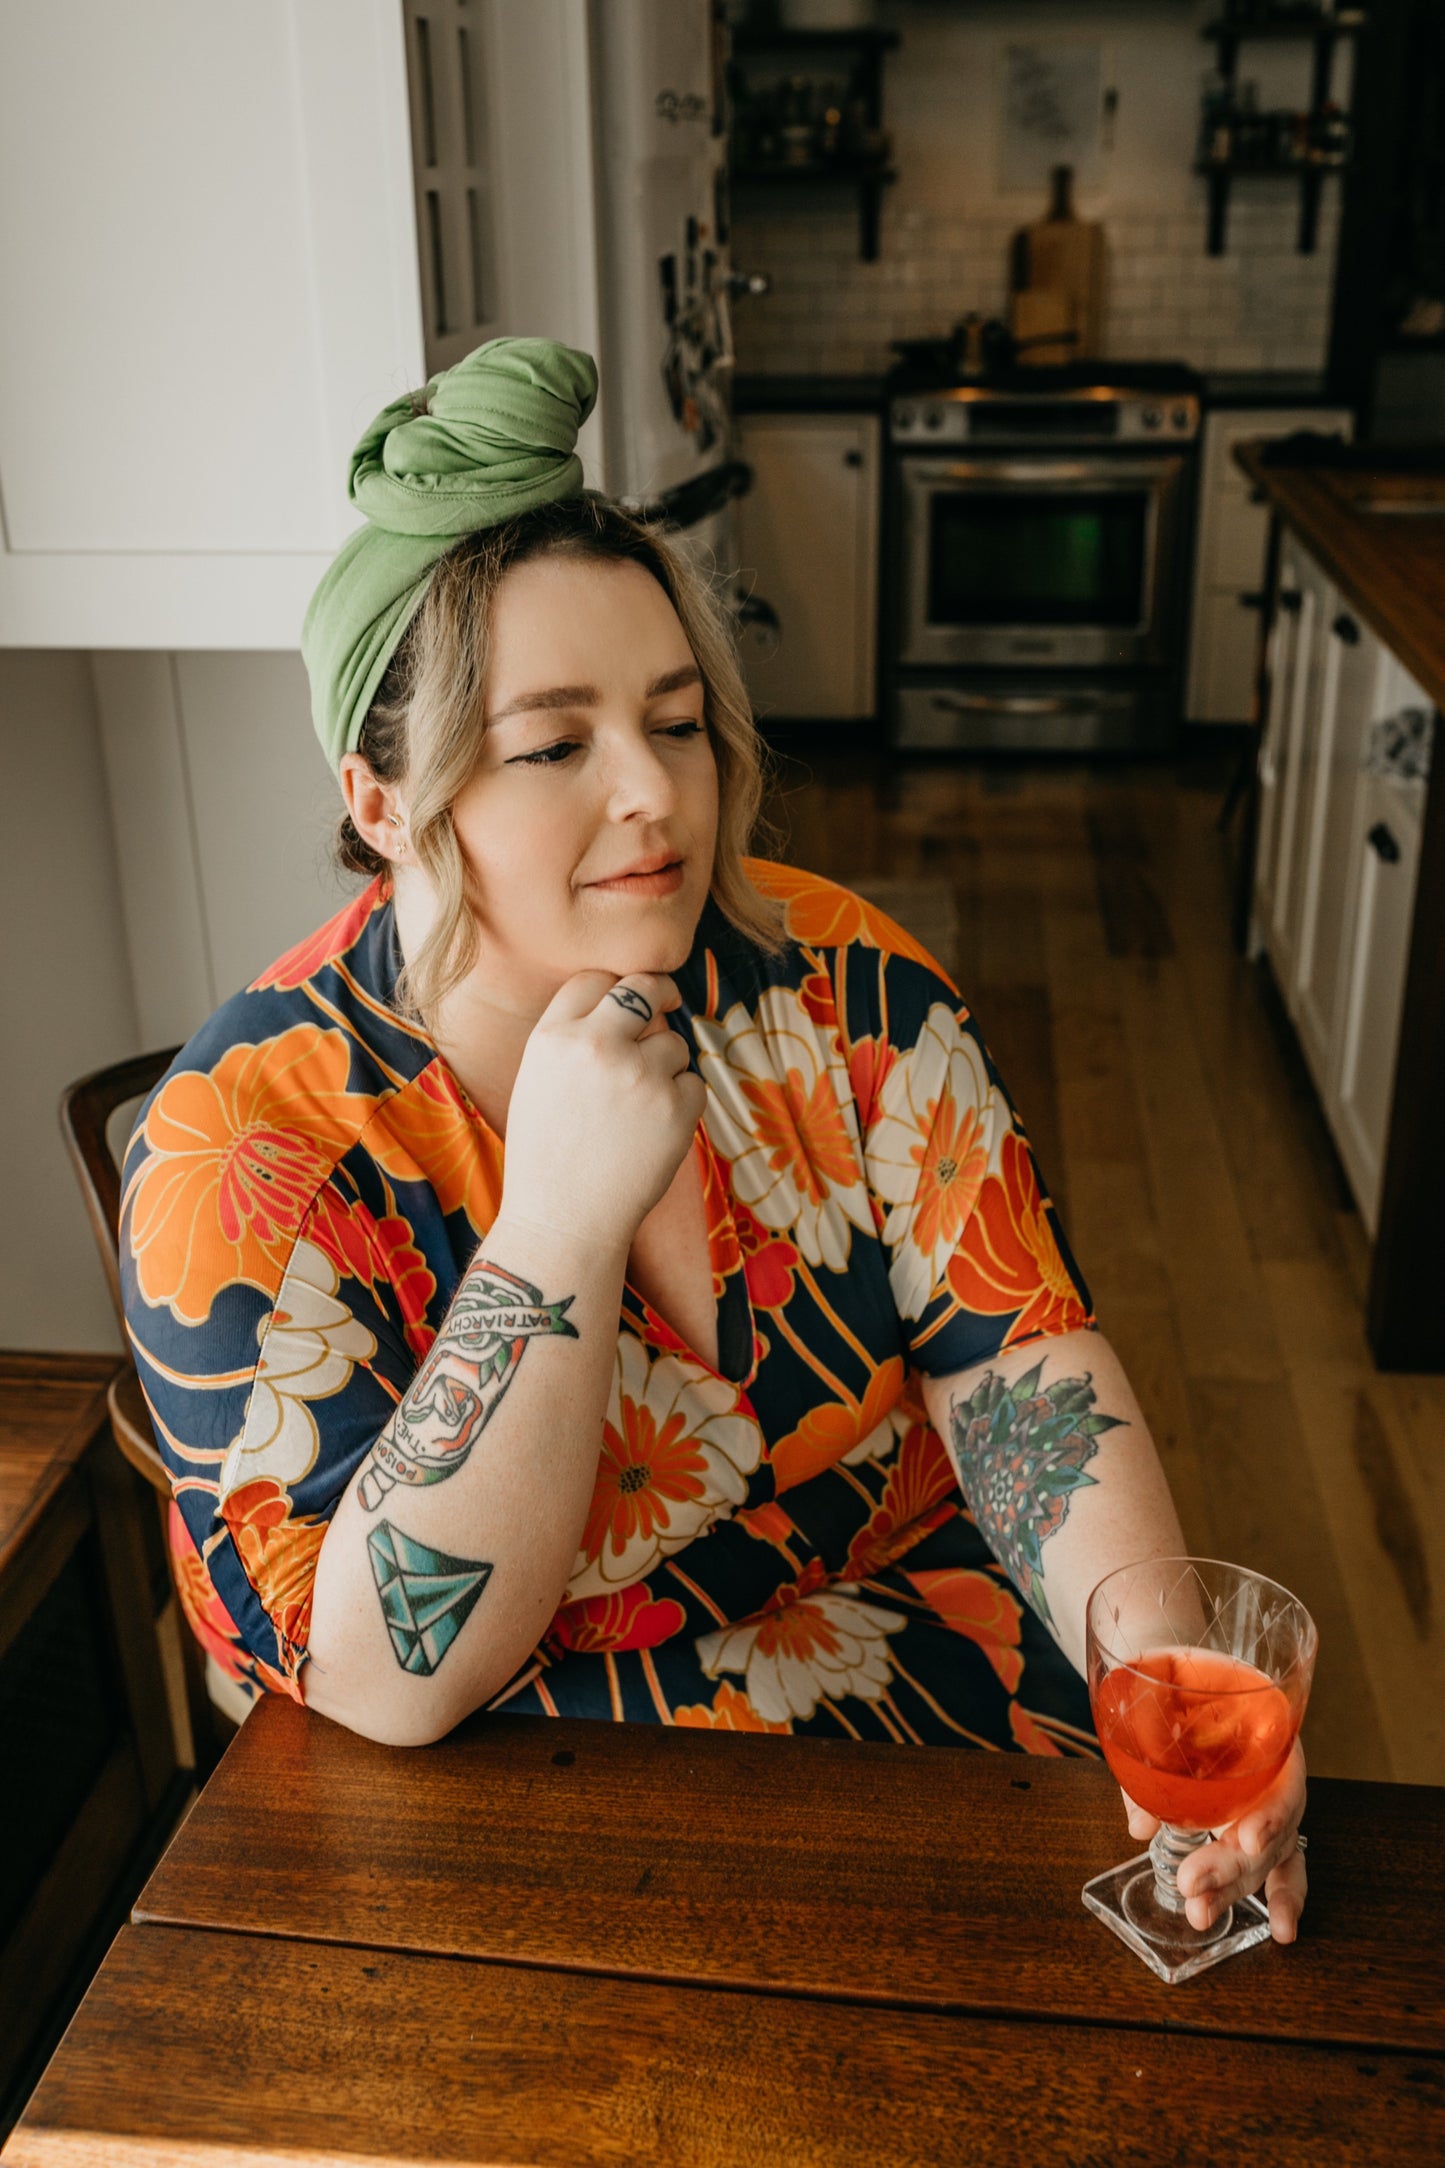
x=1039 y=562
x=1042 y=561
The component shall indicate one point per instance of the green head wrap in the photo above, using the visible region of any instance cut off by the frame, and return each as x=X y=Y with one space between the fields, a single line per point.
x=489 y=438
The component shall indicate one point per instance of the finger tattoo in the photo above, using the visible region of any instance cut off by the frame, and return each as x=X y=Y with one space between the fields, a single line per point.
x=627 y=997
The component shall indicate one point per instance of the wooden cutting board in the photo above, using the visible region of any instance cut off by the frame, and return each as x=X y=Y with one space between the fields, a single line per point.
x=1065 y=255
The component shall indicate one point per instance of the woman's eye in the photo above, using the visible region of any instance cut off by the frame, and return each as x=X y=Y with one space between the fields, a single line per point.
x=547 y=756
x=689 y=729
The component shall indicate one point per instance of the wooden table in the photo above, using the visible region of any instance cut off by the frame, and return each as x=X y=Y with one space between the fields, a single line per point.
x=562 y=1942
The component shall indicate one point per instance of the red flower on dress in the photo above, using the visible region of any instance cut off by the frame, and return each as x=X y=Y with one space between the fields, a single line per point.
x=869 y=1062
x=1008 y=1258
x=279 y=1553
x=918 y=1497
x=369 y=1250
x=817 y=996
x=326 y=944
x=980 y=1607
x=630 y=1619
x=769 y=1260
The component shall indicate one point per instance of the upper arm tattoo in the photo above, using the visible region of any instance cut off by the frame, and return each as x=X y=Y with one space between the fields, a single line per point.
x=455 y=1393
x=1023 y=1453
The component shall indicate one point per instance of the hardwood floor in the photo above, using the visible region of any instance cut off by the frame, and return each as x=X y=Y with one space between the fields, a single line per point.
x=1178 y=1131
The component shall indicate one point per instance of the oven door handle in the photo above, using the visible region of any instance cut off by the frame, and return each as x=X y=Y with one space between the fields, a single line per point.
x=1012 y=704
x=1102 y=472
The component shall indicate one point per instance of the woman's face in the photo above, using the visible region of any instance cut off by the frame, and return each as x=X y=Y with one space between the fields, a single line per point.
x=590 y=822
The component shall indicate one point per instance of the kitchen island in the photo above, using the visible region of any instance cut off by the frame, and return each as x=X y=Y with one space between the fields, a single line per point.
x=1346 y=881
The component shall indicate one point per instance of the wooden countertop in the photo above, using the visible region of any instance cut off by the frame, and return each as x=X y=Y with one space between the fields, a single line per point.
x=1389 y=566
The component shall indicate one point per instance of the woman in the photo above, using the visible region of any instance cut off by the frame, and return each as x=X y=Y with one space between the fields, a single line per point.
x=591 y=1274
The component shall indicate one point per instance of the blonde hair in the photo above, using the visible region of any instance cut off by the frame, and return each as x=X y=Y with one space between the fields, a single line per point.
x=424 y=729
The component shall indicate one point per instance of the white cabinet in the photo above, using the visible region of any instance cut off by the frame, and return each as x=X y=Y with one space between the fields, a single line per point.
x=808 y=539
x=1336 y=856
x=209 y=223
x=1229 y=561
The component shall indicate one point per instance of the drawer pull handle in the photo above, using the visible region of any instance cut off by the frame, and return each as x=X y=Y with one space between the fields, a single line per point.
x=1345 y=628
x=1291 y=600
x=1381 y=840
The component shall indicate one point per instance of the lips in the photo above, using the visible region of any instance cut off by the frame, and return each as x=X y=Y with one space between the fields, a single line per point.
x=660 y=862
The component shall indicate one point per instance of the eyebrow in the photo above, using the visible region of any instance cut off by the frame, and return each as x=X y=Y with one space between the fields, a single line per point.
x=587 y=696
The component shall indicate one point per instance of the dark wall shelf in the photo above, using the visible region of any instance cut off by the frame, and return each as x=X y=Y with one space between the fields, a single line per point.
x=869 y=176
x=1323 y=32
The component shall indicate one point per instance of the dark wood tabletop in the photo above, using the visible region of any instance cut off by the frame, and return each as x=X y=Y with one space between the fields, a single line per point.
x=562 y=1941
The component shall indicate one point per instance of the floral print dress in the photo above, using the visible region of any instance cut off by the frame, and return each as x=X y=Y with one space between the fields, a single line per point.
x=774 y=1544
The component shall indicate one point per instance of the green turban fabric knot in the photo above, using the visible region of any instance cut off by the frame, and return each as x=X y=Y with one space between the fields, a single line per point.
x=494 y=436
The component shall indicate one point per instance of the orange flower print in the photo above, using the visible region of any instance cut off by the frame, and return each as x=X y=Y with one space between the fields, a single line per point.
x=920 y=1495
x=827 y=1433
x=430 y=1132
x=780 y=1110
x=730 y=1711
x=823 y=914
x=816 y=995
x=206 y=1615
x=722 y=1239
x=869 y=1061
x=1030 y=1735
x=769 y=1523
x=279 y=1554
x=978 y=1605
x=824 y=1646
x=328 y=942
x=677 y=1451
x=1008 y=1258
x=628 y=1620
x=234 y=1159
x=940 y=1119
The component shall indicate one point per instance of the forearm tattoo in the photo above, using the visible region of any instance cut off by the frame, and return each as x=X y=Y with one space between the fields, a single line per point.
x=1022 y=1454
x=627 y=997
x=455 y=1393
x=426 y=1596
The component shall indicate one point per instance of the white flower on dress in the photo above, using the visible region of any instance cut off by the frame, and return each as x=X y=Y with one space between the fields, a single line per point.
x=940 y=1130
x=676 y=1454
x=780 y=1110
x=310 y=1343
x=822 y=1646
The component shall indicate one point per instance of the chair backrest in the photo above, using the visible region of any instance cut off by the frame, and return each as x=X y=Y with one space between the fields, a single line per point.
x=85 y=1109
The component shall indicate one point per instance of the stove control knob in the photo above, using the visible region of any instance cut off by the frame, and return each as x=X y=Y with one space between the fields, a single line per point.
x=1151 y=417
x=1181 y=417
x=933 y=419
x=903 y=417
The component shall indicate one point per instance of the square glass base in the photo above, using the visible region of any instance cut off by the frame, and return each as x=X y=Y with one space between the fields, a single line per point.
x=1124 y=1900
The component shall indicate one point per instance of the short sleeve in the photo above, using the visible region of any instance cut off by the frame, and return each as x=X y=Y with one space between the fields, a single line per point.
x=267 y=1392
x=977 y=1260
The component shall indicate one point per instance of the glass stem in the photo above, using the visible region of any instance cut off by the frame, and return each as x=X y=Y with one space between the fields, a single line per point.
x=1168 y=1852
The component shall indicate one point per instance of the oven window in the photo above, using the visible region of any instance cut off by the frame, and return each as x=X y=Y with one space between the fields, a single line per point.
x=1026 y=557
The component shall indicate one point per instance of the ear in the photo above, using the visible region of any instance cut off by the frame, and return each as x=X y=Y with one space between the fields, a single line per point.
x=377 y=813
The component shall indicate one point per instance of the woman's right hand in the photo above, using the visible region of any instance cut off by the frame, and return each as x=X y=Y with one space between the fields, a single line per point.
x=603 y=1110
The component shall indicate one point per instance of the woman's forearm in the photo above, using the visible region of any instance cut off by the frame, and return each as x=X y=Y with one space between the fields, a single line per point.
x=451 y=1547
x=1059 y=1470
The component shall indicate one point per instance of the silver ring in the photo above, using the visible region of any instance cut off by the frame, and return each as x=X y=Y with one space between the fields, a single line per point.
x=1302 y=1842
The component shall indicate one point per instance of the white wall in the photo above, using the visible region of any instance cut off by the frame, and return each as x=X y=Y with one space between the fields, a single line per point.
x=947 y=224
x=66 y=992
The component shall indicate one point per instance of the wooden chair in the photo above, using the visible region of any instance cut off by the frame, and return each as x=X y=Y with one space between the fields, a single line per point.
x=86 y=1108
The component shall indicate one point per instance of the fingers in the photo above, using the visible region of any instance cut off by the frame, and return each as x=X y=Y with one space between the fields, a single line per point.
x=1142 y=1826
x=635 y=1000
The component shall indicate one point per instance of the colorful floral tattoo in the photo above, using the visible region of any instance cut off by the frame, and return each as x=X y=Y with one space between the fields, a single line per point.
x=455 y=1393
x=1023 y=1453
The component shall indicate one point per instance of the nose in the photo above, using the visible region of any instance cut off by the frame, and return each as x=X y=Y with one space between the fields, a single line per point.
x=640 y=784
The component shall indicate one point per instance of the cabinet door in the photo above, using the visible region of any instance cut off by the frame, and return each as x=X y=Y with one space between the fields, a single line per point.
x=1382 y=913
x=1350 y=703
x=1230 y=556
x=808 y=535
x=1298 y=754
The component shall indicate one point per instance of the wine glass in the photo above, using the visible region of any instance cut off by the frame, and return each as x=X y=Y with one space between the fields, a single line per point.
x=1198 y=1677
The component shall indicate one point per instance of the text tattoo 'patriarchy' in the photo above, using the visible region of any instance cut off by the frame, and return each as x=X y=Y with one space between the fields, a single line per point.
x=1023 y=1453
x=456 y=1391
